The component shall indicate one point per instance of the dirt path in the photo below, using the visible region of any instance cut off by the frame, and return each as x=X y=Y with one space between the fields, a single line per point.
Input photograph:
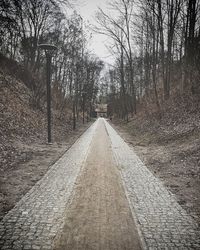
x=99 y=216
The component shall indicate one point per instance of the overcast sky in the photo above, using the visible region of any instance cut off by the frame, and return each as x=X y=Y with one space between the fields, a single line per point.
x=87 y=10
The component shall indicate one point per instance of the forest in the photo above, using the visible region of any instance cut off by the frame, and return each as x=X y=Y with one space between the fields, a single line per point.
x=99 y=149
x=75 y=70
x=156 y=45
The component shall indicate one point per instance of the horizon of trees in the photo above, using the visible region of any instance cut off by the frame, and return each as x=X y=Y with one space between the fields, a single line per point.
x=156 y=44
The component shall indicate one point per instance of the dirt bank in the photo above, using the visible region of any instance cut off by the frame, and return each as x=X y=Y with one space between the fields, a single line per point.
x=28 y=165
x=171 y=153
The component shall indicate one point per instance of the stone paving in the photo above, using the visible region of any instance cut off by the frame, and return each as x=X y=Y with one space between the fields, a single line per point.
x=162 y=222
x=38 y=217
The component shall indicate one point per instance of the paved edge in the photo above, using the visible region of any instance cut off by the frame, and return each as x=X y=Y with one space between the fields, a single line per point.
x=137 y=224
x=68 y=147
x=163 y=223
x=70 y=199
x=21 y=220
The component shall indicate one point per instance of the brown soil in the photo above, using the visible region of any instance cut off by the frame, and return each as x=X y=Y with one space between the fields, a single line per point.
x=99 y=216
x=28 y=164
x=172 y=154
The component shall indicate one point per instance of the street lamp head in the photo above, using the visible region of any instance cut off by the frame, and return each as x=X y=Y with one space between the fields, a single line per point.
x=48 y=48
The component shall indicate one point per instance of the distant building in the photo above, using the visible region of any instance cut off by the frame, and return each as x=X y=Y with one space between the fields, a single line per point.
x=101 y=110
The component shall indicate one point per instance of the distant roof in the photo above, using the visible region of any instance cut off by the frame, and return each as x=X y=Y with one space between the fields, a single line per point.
x=101 y=108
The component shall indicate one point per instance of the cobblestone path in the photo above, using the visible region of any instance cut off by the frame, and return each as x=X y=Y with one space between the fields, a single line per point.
x=99 y=216
x=162 y=222
x=37 y=218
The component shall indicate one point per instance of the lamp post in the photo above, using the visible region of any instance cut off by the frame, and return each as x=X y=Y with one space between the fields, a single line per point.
x=83 y=96
x=49 y=49
x=74 y=113
x=90 y=110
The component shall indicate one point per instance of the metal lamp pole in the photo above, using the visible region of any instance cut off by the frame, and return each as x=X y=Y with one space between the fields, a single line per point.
x=90 y=110
x=74 y=113
x=49 y=49
x=83 y=95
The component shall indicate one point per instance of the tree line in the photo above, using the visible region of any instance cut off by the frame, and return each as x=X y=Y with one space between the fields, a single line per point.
x=156 y=44
x=75 y=70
